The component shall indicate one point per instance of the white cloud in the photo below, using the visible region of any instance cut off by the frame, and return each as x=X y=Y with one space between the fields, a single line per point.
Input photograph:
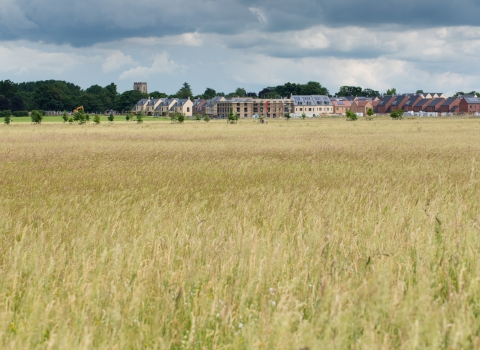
x=116 y=60
x=21 y=59
x=161 y=64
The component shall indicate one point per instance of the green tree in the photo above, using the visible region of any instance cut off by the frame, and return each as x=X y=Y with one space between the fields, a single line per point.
x=391 y=91
x=111 y=92
x=96 y=119
x=17 y=104
x=351 y=116
x=157 y=94
x=185 y=91
x=287 y=116
x=181 y=118
x=419 y=91
x=197 y=117
x=111 y=117
x=49 y=98
x=128 y=99
x=8 y=88
x=206 y=118
x=7 y=120
x=240 y=92
x=232 y=117
x=304 y=116
x=370 y=112
x=350 y=91
x=128 y=117
x=139 y=117
x=4 y=104
x=397 y=114
x=209 y=94
x=36 y=117
x=65 y=116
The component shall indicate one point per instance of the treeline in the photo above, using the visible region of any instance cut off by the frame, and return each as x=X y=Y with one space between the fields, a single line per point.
x=55 y=95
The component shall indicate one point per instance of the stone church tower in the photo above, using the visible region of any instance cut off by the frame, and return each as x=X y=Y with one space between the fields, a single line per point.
x=142 y=87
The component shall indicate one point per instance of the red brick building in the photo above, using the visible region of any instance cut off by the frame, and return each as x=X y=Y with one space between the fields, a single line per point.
x=412 y=101
x=421 y=105
x=449 y=104
x=434 y=106
x=469 y=105
x=384 y=104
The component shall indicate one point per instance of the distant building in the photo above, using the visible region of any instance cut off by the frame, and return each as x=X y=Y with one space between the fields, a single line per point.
x=450 y=105
x=142 y=87
x=361 y=106
x=384 y=104
x=341 y=106
x=311 y=106
x=469 y=105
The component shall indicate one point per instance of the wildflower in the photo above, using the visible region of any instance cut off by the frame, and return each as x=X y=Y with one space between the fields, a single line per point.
x=240 y=325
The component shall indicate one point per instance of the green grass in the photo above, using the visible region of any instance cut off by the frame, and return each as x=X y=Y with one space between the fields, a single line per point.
x=103 y=119
x=323 y=234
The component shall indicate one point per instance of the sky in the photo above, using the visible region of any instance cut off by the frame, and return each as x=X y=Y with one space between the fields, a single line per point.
x=225 y=44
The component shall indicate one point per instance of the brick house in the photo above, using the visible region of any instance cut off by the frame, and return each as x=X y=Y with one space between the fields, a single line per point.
x=434 y=106
x=198 y=106
x=469 y=105
x=449 y=104
x=341 y=107
x=412 y=100
x=361 y=106
x=421 y=105
x=398 y=103
x=384 y=104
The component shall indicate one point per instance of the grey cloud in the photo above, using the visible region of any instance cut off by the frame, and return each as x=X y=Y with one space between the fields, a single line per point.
x=86 y=22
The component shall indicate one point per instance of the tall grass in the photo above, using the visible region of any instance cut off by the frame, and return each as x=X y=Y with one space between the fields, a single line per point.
x=314 y=234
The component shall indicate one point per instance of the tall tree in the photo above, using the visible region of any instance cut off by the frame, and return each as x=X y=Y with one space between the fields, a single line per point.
x=17 y=104
x=112 y=94
x=8 y=88
x=240 y=92
x=185 y=91
x=49 y=98
x=391 y=91
x=209 y=93
x=350 y=91
x=4 y=104
x=157 y=94
x=128 y=99
x=370 y=93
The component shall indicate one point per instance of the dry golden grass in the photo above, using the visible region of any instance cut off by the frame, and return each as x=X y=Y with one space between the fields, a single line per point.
x=321 y=234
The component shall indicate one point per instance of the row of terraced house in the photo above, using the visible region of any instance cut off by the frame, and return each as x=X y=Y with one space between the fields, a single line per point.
x=411 y=103
x=244 y=107
x=311 y=106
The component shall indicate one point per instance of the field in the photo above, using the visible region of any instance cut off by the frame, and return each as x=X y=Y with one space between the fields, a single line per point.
x=318 y=234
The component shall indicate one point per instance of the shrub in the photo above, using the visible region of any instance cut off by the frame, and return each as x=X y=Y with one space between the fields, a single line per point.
x=96 y=119
x=351 y=116
x=397 y=114
x=6 y=113
x=70 y=120
x=287 y=116
x=111 y=117
x=197 y=117
x=7 y=119
x=181 y=118
x=37 y=117
x=20 y=114
x=206 y=118
x=128 y=117
x=139 y=117
x=304 y=116
x=65 y=116
x=232 y=117
x=370 y=112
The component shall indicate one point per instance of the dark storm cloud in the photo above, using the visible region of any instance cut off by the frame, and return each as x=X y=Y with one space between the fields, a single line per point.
x=86 y=22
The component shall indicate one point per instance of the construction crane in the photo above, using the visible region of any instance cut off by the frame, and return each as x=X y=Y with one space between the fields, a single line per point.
x=78 y=109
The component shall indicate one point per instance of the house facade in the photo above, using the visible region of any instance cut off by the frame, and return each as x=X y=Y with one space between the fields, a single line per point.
x=435 y=105
x=341 y=106
x=384 y=104
x=450 y=105
x=469 y=105
x=421 y=105
x=311 y=106
x=183 y=106
x=412 y=101
x=361 y=106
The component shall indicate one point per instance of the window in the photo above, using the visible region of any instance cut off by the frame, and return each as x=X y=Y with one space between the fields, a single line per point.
x=309 y=109
x=188 y=109
x=245 y=109
x=238 y=109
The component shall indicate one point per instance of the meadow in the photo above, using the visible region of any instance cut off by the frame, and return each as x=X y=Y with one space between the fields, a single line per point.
x=315 y=234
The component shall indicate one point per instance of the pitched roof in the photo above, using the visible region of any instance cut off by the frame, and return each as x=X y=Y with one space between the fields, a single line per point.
x=472 y=100
x=342 y=103
x=450 y=100
x=411 y=100
x=423 y=102
x=385 y=99
x=436 y=101
x=362 y=103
